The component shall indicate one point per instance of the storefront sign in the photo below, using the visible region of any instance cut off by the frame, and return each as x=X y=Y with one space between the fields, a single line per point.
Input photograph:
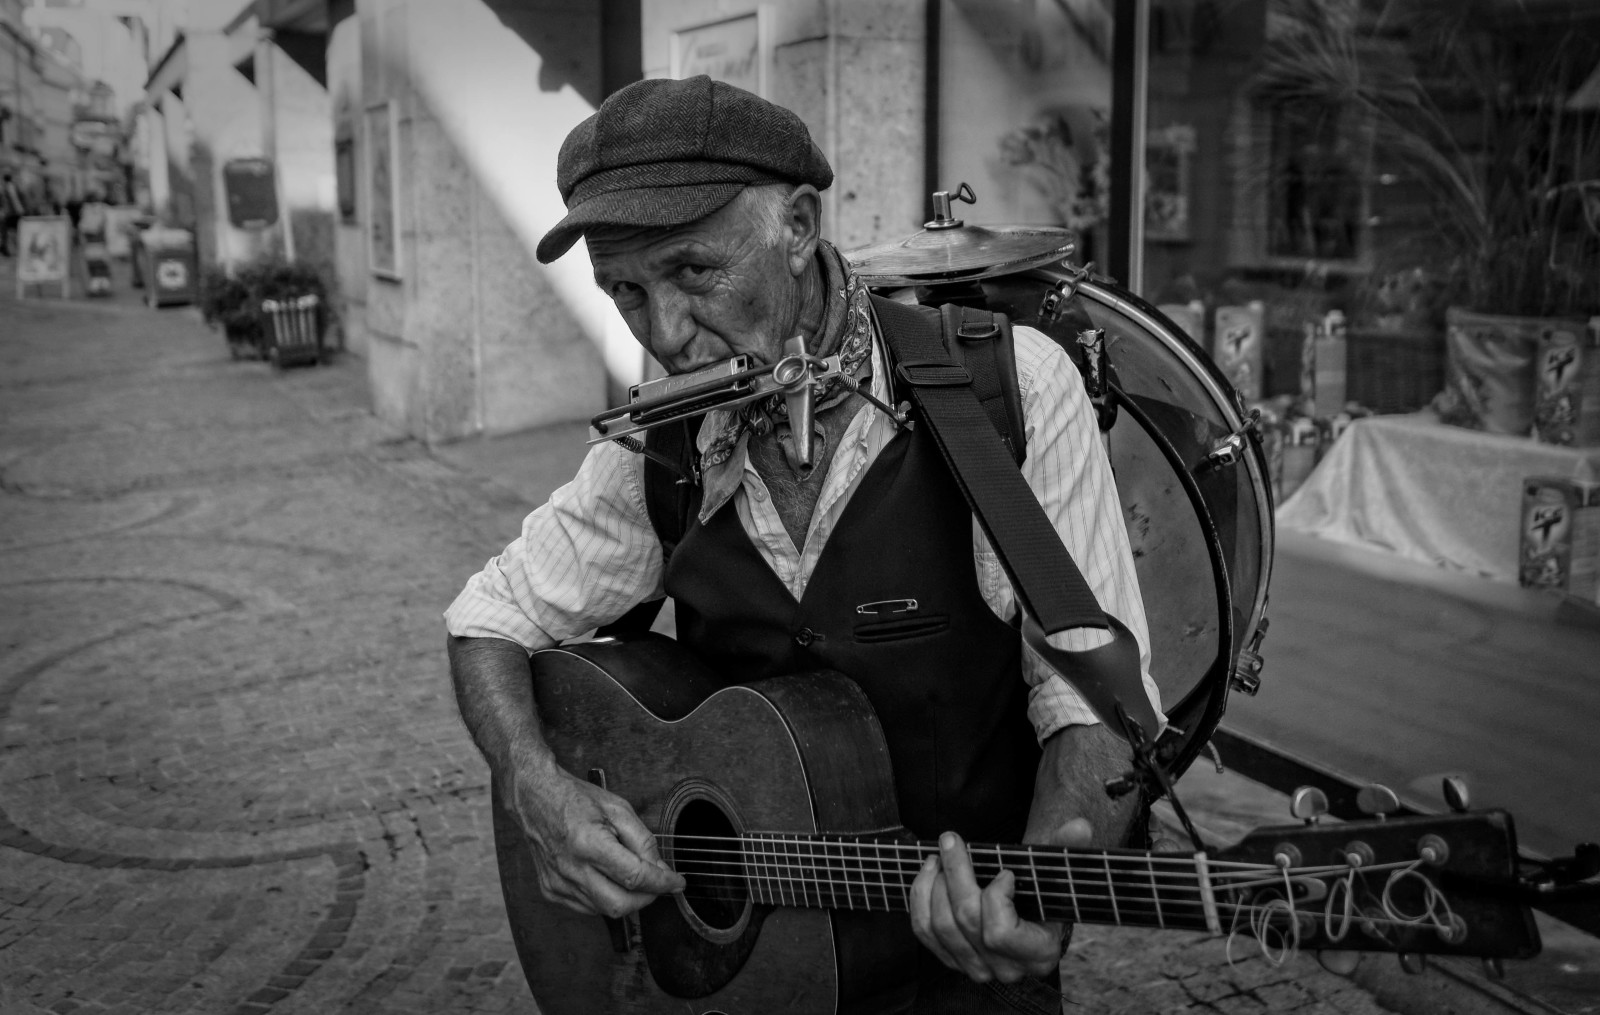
x=725 y=50
x=252 y=192
x=44 y=252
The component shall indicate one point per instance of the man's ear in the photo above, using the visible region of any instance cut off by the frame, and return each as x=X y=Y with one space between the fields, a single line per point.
x=804 y=211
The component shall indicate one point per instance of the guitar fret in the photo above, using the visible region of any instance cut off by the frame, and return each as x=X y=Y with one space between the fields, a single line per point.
x=883 y=880
x=1072 y=888
x=842 y=870
x=1155 y=892
x=1038 y=893
x=1111 y=889
x=802 y=880
x=780 y=857
x=770 y=873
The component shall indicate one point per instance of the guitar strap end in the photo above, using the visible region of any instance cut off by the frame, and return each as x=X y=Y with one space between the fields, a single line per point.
x=1108 y=677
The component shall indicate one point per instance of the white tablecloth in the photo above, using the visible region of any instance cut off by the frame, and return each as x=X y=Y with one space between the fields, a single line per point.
x=1429 y=492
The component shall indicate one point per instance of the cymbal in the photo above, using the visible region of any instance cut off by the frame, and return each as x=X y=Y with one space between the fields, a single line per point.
x=960 y=253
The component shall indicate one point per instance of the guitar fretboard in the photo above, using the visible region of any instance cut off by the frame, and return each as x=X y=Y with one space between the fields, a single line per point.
x=1122 y=887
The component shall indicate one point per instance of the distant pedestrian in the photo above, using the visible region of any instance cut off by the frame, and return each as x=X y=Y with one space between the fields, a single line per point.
x=12 y=207
x=93 y=219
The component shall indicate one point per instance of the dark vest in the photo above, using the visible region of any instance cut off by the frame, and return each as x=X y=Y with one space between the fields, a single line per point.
x=945 y=678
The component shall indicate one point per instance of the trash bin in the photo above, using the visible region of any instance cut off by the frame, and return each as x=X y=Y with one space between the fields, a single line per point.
x=294 y=330
x=169 y=266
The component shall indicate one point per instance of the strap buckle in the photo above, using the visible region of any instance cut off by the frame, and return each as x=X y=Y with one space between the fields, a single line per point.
x=934 y=374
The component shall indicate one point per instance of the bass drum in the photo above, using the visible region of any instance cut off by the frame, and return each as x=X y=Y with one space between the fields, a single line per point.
x=1191 y=476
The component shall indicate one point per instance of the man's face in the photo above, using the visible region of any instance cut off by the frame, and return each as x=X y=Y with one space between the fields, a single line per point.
x=700 y=293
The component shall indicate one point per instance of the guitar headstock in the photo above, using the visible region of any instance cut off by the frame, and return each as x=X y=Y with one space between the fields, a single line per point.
x=1440 y=884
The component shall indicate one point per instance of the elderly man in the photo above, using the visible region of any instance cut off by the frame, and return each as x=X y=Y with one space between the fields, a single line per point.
x=700 y=206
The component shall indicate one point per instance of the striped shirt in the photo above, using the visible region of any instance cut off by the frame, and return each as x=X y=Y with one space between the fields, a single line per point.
x=589 y=554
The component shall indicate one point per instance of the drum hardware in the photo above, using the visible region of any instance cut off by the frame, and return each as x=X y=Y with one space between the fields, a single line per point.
x=1230 y=450
x=1097 y=375
x=1247 y=668
x=942 y=219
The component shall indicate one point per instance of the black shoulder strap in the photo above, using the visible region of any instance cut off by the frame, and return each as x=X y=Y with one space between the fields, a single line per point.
x=1049 y=586
x=981 y=341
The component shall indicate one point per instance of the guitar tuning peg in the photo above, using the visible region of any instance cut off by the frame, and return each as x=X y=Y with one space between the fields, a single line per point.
x=1308 y=804
x=1456 y=795
x=1341 y=963
x=1494 y=969
x=1377 y=800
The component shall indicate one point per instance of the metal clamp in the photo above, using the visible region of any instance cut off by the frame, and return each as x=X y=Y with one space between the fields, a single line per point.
x=1246 y=677
x=1230 y=450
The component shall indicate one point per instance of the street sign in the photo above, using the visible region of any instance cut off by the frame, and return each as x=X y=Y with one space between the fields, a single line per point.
x=252 y=192
x=44 y=253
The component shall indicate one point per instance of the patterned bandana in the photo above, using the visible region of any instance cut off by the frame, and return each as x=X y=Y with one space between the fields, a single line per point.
x=846 y=330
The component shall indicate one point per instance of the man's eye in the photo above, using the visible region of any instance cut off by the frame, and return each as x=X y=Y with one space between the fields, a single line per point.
x=693 y=274
x=627 y=295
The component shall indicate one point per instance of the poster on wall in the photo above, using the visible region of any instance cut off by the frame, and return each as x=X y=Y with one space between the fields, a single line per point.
x=383 y=193
x=728 y=50
x=44 y=252
x=252 y=191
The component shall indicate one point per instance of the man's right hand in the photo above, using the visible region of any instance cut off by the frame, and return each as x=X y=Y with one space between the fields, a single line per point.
x=592 y=852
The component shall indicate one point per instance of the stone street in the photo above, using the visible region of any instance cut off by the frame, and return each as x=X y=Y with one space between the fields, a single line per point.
x=232 y=776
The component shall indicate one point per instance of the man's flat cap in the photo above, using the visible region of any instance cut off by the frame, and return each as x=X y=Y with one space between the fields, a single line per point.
x=663 y=152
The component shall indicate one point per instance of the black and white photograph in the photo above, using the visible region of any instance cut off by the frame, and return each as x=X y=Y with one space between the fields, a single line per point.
x=824 y=507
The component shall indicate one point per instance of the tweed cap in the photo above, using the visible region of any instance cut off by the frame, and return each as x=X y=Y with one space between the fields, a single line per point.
x=665 y=152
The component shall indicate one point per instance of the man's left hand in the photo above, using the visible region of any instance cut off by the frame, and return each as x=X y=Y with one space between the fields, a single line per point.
x=977 y=930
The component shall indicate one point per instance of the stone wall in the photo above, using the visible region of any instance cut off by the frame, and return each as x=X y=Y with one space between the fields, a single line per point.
x=853 y=71
x=469 y=335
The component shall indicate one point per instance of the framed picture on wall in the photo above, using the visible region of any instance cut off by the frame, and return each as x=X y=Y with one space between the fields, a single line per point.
x=730 y=50
x=383 y=192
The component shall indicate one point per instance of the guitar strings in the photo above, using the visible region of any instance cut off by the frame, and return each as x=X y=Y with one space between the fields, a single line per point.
x=840 y=881
x=1252 y=910
x=811 y=847
x=1180 y=867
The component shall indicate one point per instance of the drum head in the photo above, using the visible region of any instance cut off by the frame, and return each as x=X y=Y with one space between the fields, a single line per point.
x=1201 y=536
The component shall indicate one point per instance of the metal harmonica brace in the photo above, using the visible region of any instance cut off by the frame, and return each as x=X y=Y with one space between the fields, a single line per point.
x=725 y=385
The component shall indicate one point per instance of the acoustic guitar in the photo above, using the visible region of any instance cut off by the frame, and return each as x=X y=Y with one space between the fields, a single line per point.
x=775 y=802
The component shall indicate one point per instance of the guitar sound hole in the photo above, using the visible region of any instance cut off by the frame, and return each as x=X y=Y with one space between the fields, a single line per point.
x=706 y=853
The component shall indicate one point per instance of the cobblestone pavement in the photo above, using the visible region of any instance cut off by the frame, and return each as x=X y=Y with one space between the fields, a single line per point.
x=232 y=778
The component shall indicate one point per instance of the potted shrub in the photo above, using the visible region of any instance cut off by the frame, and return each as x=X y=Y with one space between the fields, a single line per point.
x=225 y=302
x=234 y=302
x=1475 y=103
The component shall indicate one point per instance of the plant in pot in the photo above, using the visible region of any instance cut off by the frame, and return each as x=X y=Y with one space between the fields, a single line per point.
x=1478 y=110
x=234 y=301
x=225 y=302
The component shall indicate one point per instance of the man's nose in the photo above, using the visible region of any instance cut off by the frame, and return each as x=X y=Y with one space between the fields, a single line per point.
x=672 y=325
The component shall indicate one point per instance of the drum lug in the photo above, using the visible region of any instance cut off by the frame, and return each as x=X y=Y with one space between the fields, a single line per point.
x=1247 y=668
x=1230 y=450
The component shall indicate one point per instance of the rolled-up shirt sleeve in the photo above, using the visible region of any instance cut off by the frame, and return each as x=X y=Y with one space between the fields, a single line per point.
x=582 y=560
x=1069 y=472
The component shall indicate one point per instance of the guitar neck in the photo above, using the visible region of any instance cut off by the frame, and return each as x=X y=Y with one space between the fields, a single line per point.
x=1121 y=887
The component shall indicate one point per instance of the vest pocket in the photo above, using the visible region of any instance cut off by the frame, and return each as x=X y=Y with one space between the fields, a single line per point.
x=904 y=627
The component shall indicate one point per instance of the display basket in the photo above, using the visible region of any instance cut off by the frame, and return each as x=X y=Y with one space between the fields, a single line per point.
x=294 y=330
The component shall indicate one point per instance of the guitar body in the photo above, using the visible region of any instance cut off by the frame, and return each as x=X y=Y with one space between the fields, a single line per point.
x=799 y=753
